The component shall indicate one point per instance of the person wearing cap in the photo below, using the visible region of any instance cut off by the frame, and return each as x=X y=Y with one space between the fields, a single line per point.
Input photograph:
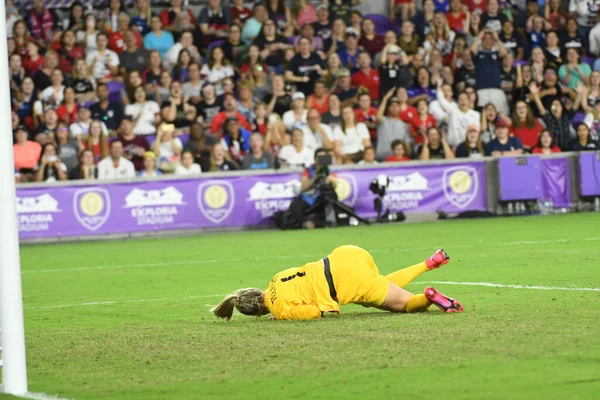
x=26 y=153
x=394 y=70
x=235 y=139
x=297 y=113
x=230 y=110
x=349 y=54
x=460 y=115
x=134 y=146
x=344 y=90
x=390 y=128
x=504 y=145
x=366 y=76
x=304 y=68
x=115 y=166
x=257 y=157
x=472 y=146
x=149 y=166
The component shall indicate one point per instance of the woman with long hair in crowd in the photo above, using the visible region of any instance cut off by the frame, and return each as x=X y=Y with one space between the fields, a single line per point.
x=50 y=168
x=167 y=147
x=220 y=160
x=334 y=67
x=584 y=141
x=474 y=27
x=234 y=48
x=141 y=15
x=281 y=14
x=421 y=121
x=76 y=18
x=252 y=60
x=83 y=82
x=554 y=13
x=69 y=51
x=86 y=169
x=111 y=15
x=525 y=125
x=86 y=36
x=180 y=71
x=67 y=111
x=21 y=37
x=217 y=69
x=421 y=88
x=545 y=144
x=145 y=113
x=150 y=166
x=592 y=92
x=303 y=12
x=424 y=18
x=409 y=41
x=188 y=166
x=441 y=35
x=24 y=100
x=276 y=136
x=132 y=82
x=555 y=119
x=370 y=40
x=354 y=137
x=97 y=141
x=489 y=117
x=553 y=51
x=538 y=64
x=337 y=40
x=472 y=146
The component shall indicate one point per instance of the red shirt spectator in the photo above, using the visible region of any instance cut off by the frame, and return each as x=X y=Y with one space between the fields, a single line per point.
x=539 y=150
x=70 y=117
x=456 y=21
x=116 y=41
x=408 y=113
x=67 y=58
x=368 y=78
x=373 y=45
x=396 y=159
x=479 y=6
x=168 y=17
x=527 y=135
x=32 y=66
x=418 y=126
x=239 y=12
x=219 y=120
x=322 y=105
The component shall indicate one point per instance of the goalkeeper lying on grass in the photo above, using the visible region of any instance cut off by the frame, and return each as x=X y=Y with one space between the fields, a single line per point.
x=347 y=275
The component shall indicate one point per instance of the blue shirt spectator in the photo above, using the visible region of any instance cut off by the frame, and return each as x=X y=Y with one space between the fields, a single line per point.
x=158 y=39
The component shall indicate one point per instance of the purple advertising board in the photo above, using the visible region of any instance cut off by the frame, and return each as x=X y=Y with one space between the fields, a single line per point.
x=589 y=167
x=556 y=181
x=236 y=201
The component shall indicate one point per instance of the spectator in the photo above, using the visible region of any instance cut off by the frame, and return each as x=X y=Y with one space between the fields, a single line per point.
x=246 y=101
x=209 y=107
x=345 y=92
x=230 y=110
x=420 y=122
x=177 y=18
x=181 y=69
x=141 y=16
x=214 y=20
x=336 y=41
x=488 y=67
x=592 y=92
x=472 y=146
x=489 y=117
x=349 y=53
x=86 y=169
x=508 y=76
x=308 y=31
x=571 y=38
x=574 y=72
x=440 y=36
x=304 y=68
x=585 y=14
x=276 y=136
x=436 y=109
x=192 y=89
x=42 y=22
x=458 y=19
x=584 y=141
x=555 y=14
x=236 y=139
x=83 y=82
x=68 y=148
x=297 y=113
x=75 y=20
x=217 y=69
x=556 y=120
x=86 y=36
x=281 y=14
x=255 y=26
x=280 y=100
x=132 y=82
x=116 y=39
x=103 y=63
x=97 y=140
x=47 y=130
x=81 y=126
x=493 y=18
x=504 y=145
x=397 y=152
x=367 y=114
x=149 y=166
x=368 y=156
x=370 y=41
x=106 y=111
x=67 y=111
x=366 y=76
x=391 y=72
x=145 y=113
x=525 y=126
x=296 y=154
x=134 y=146
x=545 y=144
x=323 y=24
x=200 y=144
x=465 y=76
x=21 y=37
x=26 y=152
x=409 y=40
x=115 y=166
x=16 y=70
x=133 y=57
x=460 y=115
x=303 y=13
x=186 y=42
x=253 y=61
x=50 y=168
x=41 y=78
x=435 y=146
x=354 y=137
x=319 y=100
x=69 y=52
x=513 y=43
x=258 y=158
x=25 y=101
x=239 y=13
x=234 y=48
x=53 y=95
x=188 y=166
x=219 y=159
x=112 y=14
x=318 y=135
x=158 y=39
x=167 y=147
x=177 y=110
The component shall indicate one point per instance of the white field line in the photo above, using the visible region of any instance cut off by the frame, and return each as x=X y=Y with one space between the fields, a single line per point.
x=41 y=396
x=509 y=286
x=291 y=256
x=480 y=284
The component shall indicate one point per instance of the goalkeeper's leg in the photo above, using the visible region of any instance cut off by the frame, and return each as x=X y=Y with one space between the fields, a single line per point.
x=404 y=276
x=399 y=300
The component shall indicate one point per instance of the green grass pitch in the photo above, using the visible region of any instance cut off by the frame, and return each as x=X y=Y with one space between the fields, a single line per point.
x=130 y=319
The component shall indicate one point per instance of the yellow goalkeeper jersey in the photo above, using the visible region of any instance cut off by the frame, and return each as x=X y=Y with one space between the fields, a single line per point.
x=300 y=293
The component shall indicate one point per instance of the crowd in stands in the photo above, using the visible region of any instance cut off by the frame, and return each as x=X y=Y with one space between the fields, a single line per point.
x=116 y=91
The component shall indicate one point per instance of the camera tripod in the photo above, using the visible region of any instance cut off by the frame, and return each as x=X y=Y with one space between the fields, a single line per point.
x=329 y=201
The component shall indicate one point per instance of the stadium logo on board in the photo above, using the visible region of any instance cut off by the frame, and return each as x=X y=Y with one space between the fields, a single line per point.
x=35 y=214
x=154 y=206
x=405 y=192
x=269 y=198
x=346 y=189
x=91 y=207
x=216 y=200
x=460 y=185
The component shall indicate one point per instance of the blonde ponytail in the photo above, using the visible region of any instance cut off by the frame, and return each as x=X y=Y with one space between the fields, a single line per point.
x=246 y=301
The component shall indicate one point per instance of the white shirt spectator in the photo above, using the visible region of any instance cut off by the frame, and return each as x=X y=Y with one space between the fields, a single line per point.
x=82 y=128
x=314 y=140
x=293 y=158
x=595 y=40
x=438 y=112
x=215 y=76
x=457 y=120
x=107 y=169
x=580 y=9
x=352 y=140
x=52 y=96
x=101 y=66
x=90 y=41
x=194 y=169
x=166 y=148
x=144 y=116
x=190 y=90
x=172 y=56
x=290 y=121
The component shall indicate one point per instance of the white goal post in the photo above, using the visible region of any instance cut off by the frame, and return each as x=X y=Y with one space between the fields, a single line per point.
x=14 y=371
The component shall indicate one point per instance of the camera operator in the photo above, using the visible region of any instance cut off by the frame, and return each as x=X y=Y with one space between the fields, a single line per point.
x=317 y=183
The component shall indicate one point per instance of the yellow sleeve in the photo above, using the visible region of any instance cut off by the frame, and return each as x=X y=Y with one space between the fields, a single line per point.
x=303 y=312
